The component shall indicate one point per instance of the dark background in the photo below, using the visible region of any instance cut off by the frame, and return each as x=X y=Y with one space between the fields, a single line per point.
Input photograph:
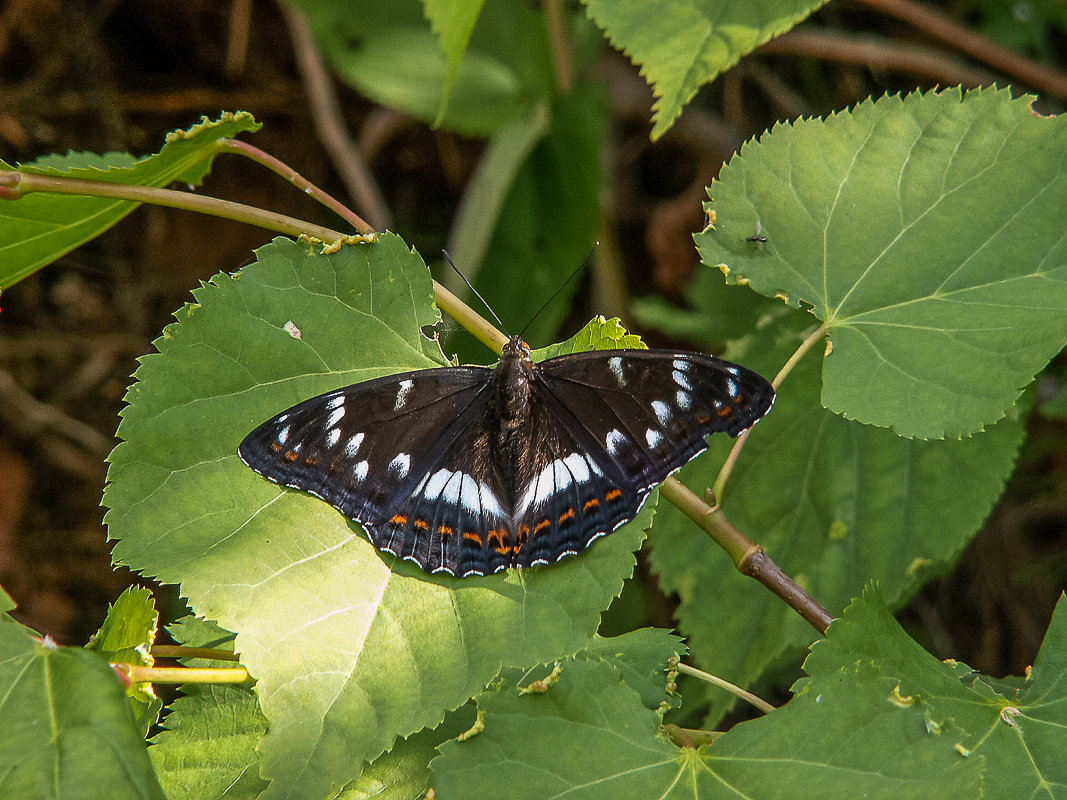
x=119 y=75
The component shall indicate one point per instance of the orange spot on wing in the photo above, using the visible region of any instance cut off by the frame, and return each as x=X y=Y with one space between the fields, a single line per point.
x=471 y=536
x=275 y=447
x=611 y=495
x=566 y=515
x=591 y=503
x=399 y=519
x=540 y=526
x=289 y=456
x=310 y=461
x=725 y=411
x=422 y=524
x=524 y=533
x=445 y=530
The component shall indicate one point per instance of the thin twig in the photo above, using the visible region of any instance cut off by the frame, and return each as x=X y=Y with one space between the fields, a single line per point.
x=978 y=47
x=32 y=416
x=279 y=167
x=330 y=126
x=876 y=54
x=719 y=487
x=562 y=58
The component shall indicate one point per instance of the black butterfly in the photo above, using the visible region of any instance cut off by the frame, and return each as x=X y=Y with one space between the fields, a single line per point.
x=468 y=470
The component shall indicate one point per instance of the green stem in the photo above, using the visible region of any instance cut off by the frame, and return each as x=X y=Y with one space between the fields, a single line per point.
x=178 y=651
x=185 y=674
x=279 y=167
x=733 y=689
x=719 y=486
x=17 y=184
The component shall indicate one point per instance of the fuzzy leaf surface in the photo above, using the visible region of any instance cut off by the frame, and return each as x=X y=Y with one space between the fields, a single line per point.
x=349 y=647
x=37 y=229
x=926 y=233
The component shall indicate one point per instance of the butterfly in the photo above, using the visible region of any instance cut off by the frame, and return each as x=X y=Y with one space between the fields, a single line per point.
x=470 y=470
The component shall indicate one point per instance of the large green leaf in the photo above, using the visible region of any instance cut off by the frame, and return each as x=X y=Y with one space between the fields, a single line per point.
x=66 y=728
x=680 y=46
x=350 y=648
x=1020 y=734
x=835 y=503
x=592 y=736
x=40 y=227
x=926 y=232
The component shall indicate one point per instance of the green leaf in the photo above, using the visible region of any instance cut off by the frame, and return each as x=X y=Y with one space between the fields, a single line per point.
x=555 y=190
x=207 y=749
x=454 y=23
x=640 y=656
x=1019 y=737
x=835 y=503
x=925 y=232
x=388 y=52
x=680 y=46
x=404 y=772
x=589 y=735
x=66 y=728
x=126 y=637
x=488 y=189
x=37 y=229
x=350 y=647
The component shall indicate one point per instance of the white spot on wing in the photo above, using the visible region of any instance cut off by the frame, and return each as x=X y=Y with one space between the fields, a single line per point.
x=333 y=437
x=336 y=402
x=614 y=439
x=401 y=464
x=402 y=395
x=615 y=365
x=557 y=476
x=352 y=445
x=489 y=501
x=283 y=435
x=680 y=364
x=682 y=380
x=732 y=387
x=663 y=411
x=653 y=438
x=361 y=470
x=335 y=417
x=684 y=400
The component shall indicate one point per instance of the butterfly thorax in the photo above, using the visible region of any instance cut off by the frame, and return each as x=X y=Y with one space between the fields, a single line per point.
x=511 y=409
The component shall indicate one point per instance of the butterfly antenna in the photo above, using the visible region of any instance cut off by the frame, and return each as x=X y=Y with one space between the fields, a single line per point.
x=562 y=286
x=448 y=258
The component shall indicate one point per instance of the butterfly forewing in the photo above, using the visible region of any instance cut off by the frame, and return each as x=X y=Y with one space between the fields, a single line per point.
x=361 y=447
x=648 y=411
